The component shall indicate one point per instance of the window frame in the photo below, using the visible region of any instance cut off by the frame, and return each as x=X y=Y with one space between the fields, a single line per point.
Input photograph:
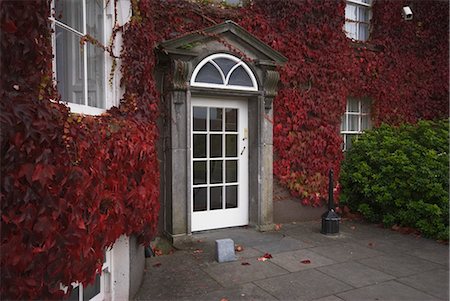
x=225 y=77
x=108 y=89
x=368 y=6
x=345 y=132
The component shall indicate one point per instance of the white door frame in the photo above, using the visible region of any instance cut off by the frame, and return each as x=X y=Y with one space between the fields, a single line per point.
x=231 y=217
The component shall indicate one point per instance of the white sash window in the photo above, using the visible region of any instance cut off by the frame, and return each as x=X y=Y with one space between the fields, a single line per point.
x=355 y=120
x=81 y=69
x=357 y=19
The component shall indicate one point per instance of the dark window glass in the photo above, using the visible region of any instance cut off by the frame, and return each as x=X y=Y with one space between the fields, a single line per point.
x=231 y=145
x=199 y=172
x=215 y=117
x=199 y=146
x=215 y=198
x=92 y=290
x=199 y=118
x=225 y=64
x=231 y=120
x=231 y=171
x=216 y=172
x=200 y=199
x=240 y=77
x=231 y=195
x=209 y=74
x=215 y=147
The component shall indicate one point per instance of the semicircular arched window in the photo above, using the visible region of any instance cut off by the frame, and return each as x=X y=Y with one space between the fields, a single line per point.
x=224 y=71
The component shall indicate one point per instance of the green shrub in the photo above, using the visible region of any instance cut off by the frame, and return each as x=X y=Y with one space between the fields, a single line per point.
x=400 y=175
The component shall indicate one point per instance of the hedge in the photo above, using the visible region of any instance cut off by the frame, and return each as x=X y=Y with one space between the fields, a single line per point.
x=399 y=175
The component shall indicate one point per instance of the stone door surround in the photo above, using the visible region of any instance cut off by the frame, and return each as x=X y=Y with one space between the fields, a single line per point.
x=177 y=59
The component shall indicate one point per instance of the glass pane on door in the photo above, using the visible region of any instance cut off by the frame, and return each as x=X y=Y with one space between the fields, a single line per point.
x=215 y=154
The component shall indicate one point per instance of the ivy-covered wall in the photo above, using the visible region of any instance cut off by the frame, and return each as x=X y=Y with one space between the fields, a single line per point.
x=71 y=185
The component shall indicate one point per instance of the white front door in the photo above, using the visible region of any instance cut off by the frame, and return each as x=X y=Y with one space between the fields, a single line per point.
x=219 y=158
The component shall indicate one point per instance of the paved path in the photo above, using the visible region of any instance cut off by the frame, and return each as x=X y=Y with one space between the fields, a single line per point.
x=363 y=263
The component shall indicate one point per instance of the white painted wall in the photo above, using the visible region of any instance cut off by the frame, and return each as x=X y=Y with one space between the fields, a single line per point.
x=120 y=269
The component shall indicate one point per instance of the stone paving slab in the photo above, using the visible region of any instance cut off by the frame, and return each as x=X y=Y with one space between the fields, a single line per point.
x=346 y=251
x=400 y=265
x=232 y=274
x=386 y=291
x=433 y=282
x=303 y=285
x=355 y=274
x=329 y=298
x=382 y=245
x=247 y=291
x=363 y=262
x=291 y=261
x=437 y=253
x=174 y=280
x=283 y=245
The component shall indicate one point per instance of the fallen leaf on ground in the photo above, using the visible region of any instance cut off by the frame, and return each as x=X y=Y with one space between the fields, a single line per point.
x=278 y=227
x=238 y=248
x=265 y=257
x=245 y=263
x=370 y=244
x=198 y=251
x=224 y=299
x=157 y=265
x=353 y=227
x=306 y=261
x=157 y=252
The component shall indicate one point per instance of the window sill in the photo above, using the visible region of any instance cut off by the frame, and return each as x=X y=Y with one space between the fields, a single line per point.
x=365 y=45
x=83 y=109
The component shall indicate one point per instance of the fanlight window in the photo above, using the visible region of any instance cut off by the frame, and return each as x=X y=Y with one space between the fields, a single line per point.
x=224 y=71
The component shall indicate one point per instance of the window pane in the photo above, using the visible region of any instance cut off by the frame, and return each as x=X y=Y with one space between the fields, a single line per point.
x=352 y=105
x=209 y=74
x=363 y=32
x=199 y=172
x=216 y=172
x=348 y=141
x=363 y=14
x=70 y=12
x=232 y=197
x=231 y=171
x=75 y=294
x=350 y=11
x=240 y=77
x=215 y=195
x=365 y=122
x=231 y=145
x=69 y=66
x=200 y=199
x=343 y=123
x=96 y=76
x=94 y=19
x=215 y=146
x=215 y=116
x=231 y=120
x=350 y=29
x=225 y=64
x=365 y=106
x=353 y=123
x=199 y=118
x=199 y=146
x=92 y=290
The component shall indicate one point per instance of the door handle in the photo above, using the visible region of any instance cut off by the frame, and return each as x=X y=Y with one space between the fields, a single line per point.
x=242 y=150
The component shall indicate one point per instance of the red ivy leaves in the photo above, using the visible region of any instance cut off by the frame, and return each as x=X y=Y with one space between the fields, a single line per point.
x=71 y=186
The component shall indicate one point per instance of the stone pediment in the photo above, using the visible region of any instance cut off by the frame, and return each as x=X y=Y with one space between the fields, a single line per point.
x=222 y=37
